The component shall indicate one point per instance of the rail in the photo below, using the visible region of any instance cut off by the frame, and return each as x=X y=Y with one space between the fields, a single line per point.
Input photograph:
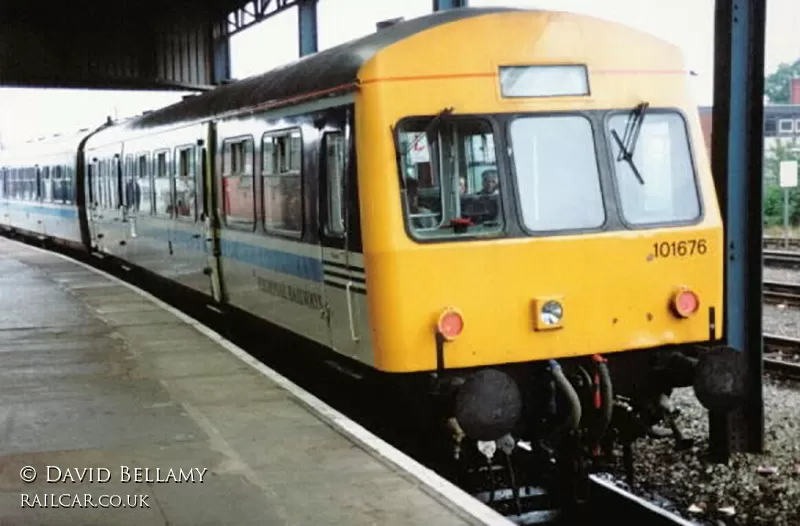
x=610 y=504
x=773 y=241
x=781 y=347
x=781 y=292
x=782 y=259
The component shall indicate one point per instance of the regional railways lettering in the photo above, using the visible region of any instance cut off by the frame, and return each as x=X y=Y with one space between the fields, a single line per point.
x=293 y=294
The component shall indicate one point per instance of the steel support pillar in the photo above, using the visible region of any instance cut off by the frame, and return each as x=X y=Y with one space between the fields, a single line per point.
x=307 y=29
x=220 y=54
x=441 y=5
x=737 y=157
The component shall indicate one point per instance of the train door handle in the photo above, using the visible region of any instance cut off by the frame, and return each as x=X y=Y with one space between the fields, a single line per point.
x=350 y=311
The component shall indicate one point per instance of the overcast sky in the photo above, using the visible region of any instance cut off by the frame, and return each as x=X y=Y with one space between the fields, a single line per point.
x=689 y=24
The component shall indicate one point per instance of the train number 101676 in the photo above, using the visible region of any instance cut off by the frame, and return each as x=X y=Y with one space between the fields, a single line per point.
x=689 y=247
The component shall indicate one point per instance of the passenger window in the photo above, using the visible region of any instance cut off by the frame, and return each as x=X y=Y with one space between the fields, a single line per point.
x=161 y=183
x=334 y=162
x=452 y=187
x=67 y=185
x=669 y=193
x=557 y=173
x=113 y=183
x=144 y=201
x=283 y=190
x=237 y=183
x=185 y=198
x=54 y=190
x=103 y=184
x=45 y=189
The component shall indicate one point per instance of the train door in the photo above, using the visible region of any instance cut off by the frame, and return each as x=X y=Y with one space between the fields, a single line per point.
x=210 y=213
x=91 y=191
x=342 y=275
x=187 y=232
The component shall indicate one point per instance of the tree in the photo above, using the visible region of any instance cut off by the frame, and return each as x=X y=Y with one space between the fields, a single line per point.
x=788 y=150
x=777 y=86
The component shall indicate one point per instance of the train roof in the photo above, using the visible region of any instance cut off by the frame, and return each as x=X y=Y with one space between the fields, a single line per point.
x=318 y=74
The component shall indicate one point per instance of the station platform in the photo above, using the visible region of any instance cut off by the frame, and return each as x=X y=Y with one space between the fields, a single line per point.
x=110 y=394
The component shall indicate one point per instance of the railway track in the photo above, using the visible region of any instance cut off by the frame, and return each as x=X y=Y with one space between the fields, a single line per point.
x=777 y=292
x=782 y=259
x=782 y=356
x=779 y=242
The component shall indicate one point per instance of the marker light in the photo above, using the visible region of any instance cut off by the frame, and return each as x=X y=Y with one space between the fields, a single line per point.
x=685 y=303
x=450 y=324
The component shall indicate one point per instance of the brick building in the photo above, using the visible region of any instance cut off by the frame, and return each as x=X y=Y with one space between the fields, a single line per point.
x=781 y=121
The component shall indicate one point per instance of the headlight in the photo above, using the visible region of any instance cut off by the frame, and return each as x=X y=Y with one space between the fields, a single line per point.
x=551 y=313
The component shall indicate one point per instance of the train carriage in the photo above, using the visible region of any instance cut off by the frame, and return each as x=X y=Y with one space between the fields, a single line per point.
x=479 y=196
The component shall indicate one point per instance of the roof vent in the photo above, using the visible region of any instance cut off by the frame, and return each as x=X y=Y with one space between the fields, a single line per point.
x=384 y=24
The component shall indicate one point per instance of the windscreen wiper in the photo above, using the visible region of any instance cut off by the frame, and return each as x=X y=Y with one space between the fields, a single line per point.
x=627 y=145
x=429 y=129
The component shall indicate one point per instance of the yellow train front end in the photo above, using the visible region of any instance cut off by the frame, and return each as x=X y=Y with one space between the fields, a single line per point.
x=540 y=226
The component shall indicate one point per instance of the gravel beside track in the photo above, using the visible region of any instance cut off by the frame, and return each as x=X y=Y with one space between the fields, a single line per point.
x=751 y=489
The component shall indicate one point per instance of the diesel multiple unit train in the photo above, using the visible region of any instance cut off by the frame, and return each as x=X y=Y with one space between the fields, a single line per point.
x=508 y=213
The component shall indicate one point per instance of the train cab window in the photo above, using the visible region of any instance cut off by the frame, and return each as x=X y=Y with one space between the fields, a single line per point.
x=334 y=169
x=144 y=203
x=557 y=173
x=185 y=183
x=666 y=192
x=283 y=191
x=161 y=184
x=237 y=183
x=452 y=186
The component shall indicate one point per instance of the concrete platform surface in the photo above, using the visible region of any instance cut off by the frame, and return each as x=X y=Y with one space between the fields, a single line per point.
x=130 y=414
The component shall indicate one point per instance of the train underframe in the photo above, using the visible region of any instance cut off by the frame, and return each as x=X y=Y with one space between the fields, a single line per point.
x=524 y=437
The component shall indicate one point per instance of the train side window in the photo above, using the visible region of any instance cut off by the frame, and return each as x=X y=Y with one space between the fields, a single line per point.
x=117 y=198
x=129 y=186
x=785 y=126
x=161 y=184
x=45 y=181
x=68 y=185
x=335 y=177
x=238 y=202
x=53 y=189
x=3 y=183
x=145 y=201
x=557 y=173
x=32 y=186
x=102 y=185
x=185 y=183
x=283 y=190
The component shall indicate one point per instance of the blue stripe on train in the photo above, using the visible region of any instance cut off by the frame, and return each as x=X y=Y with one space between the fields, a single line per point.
x=284 y=262
x=60 y=211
